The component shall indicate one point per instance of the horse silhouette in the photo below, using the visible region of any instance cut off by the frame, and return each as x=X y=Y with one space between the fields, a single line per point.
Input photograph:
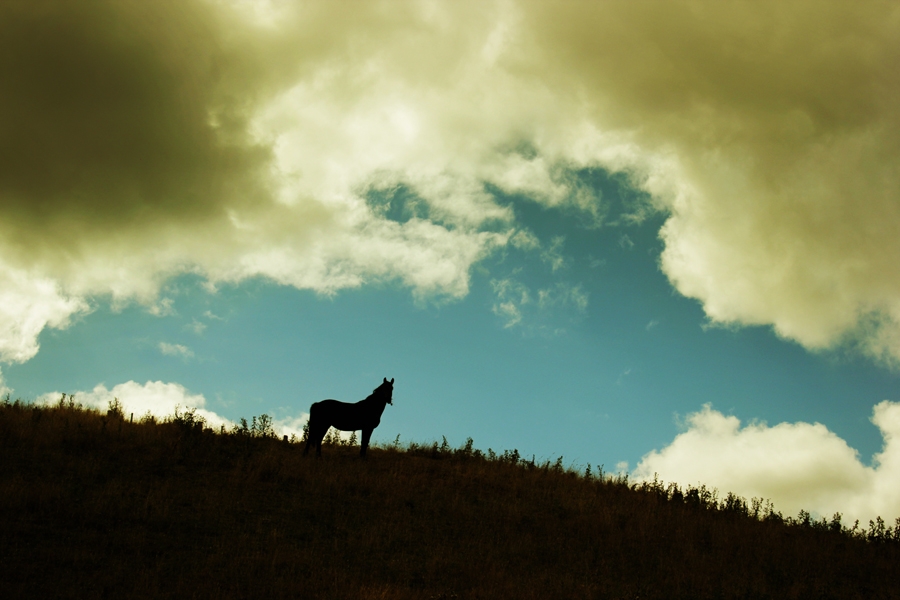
x=364 y=415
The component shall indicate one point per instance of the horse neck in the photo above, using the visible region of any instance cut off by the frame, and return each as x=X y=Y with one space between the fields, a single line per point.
x=375 y=403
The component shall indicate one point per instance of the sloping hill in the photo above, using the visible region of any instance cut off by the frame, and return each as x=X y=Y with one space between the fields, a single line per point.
x=94 y=506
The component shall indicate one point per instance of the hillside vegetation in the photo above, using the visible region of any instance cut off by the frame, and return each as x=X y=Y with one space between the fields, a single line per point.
x=95 y=506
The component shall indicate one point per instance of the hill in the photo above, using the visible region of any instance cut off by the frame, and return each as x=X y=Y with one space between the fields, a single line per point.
x=95 y=506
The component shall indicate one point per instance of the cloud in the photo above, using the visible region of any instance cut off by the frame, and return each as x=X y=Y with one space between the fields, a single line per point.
x=28 y=305
x=154 y=397
x=796 y=465
x=198 y=327
x=162 y=400
x=525 y=240
x=5 y=390
x=775 y=130
x=293 y=426
x=175 y=350
x=563 y=295
x=537 y=311
x=512 y=297
x=234 y=140
x=553 y=254
x=163 y=307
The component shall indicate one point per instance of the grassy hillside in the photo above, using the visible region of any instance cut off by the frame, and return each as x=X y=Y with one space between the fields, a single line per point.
x=94 y=506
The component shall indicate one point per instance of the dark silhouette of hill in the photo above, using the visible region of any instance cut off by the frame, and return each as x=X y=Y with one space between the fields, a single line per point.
x=95 y=506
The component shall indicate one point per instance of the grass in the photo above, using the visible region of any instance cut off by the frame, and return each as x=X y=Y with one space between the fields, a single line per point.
x=95 y=506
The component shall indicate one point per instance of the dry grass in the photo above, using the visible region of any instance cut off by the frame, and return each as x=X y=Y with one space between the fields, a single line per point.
x=93 y=506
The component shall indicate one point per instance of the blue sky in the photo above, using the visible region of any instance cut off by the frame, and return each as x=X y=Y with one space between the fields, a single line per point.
x=659 y=239
x=601 y=385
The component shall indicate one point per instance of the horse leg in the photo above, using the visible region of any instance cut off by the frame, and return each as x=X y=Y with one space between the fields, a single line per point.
x=320 y=437
x=314 y=437
x=366 y=434
x=310 y=437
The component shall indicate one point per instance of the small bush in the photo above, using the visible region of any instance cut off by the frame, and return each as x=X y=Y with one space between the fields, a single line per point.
x=262 y=427
x=115 y=409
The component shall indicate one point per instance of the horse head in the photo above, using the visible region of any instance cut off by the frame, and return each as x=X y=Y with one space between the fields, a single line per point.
x=385 y=391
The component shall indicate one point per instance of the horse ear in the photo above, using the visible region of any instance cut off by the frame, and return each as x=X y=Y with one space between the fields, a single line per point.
x=392 y=380
x=385 y=379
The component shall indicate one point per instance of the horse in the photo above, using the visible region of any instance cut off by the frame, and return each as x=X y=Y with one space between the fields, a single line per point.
x=364 y=415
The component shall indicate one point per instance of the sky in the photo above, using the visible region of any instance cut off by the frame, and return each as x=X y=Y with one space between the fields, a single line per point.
x=658 y=237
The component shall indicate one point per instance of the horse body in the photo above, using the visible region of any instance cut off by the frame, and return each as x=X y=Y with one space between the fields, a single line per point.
x=364 y=416
x=347 y=416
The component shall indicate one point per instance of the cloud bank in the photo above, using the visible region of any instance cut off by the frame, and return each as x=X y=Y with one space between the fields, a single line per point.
x=236 y=139
x=161 y=400
x=154 y=397
x=796 y=465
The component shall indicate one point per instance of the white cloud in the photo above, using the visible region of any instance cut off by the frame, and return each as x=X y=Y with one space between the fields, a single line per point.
x=5 y=390
x=553 y=254
x=782 y=187
x=509 y=312
x=163 y=307
x=28 y=304
x=796 y=465
x=768 y=133
x=525 y=240
x=291 y=425
x=154 y=397
x=175 y=350
x=512 y=296
x=517 y=305
x=162 y=400
x=429 y=258
x=563 y=295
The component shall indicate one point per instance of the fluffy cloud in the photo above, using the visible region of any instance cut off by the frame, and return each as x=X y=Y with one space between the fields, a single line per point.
x=162 y=400
x=242 y=139
x=154 y=397
x=232 y=140
x=796 y=465
x=780 y=132
x=293 y=426
x=28 y=304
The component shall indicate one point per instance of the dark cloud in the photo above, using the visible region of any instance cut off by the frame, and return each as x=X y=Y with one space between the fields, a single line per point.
x=119 y=114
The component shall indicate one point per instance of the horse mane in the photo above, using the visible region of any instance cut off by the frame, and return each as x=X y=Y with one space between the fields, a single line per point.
x=379 y=391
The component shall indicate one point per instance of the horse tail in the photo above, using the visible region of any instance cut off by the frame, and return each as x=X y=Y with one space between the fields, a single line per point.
x=311 y=424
